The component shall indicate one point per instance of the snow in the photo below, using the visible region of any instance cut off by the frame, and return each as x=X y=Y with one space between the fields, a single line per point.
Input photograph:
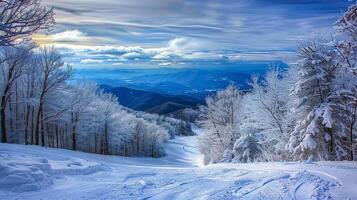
x=308 y=142
x=32 y=172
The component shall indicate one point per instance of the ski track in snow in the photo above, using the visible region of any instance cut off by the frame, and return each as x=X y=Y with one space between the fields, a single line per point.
x=31 y=172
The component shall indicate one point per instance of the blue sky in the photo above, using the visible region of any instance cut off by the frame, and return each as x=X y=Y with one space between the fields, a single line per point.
x=184 y=33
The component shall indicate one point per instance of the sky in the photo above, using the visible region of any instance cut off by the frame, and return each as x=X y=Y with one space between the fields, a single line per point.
x=185 y=33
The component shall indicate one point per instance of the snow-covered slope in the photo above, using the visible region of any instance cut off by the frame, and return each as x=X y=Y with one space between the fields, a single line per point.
x=31 y=172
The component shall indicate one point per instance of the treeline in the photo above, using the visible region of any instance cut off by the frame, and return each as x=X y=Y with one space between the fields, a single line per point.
x=39 y=107
x=172 y=125
x=305 y=113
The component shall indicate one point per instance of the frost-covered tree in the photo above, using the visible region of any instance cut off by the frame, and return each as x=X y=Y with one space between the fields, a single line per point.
x=266 y=109
x=220 y=120
x=40 y=107
x=82 y=96
x=173 y=126
x=108 y=106
x=53 y=79
x=12 y=68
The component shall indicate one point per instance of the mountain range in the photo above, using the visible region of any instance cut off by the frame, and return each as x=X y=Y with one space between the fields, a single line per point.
x=151 y=102
x=172 y=91
x=196 y=83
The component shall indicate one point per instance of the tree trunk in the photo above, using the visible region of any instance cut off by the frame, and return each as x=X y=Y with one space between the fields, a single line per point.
x=42 y=131
x=74 y=139
x=3 y=119
x=105 y=146
x=332 y=144
x=32 y=125
x=351 y=141
x=27 y=125
x=95 y=142
x=37 y=131
x=57 y=135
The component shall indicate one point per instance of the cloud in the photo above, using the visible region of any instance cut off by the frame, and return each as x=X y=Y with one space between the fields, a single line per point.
x=179 y=43
x=135 y=56
x=154 y=32
x=165 y=64
x=63 y=39
x=178 y=51
x=117 y=64
x=69 y=36
x=160 y=20
x=90 y=61
x=184 y=44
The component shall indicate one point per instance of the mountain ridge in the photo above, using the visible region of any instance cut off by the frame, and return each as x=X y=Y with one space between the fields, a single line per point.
x=152 y=102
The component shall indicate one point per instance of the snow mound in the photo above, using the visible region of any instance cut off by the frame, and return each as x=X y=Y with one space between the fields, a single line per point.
x=22 y=173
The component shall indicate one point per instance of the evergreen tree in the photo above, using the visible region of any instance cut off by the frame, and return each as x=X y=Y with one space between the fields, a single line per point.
x=247 y=149
x=313 y=134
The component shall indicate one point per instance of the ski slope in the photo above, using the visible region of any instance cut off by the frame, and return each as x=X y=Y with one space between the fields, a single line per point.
x=31 y=172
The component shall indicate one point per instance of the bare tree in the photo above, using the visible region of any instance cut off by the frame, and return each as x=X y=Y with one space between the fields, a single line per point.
x=11 y=71
x=19 y=19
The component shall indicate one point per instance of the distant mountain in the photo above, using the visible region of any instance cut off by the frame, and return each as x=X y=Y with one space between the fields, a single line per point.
x=196 y=83
x=151 y=102
x=168 y=107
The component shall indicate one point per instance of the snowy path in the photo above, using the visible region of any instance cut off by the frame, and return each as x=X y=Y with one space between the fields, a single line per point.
x=30 y=172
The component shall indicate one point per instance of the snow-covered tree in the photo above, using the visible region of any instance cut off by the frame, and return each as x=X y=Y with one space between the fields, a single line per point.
x=265 y=111
x=82 y=96
x=247 y=149
x=53 y=78
x=326 y=95
x=40 y=107
x=220 y=120
x=173 y=126
x=344 y=96
x=12 y=68
x=313 y=134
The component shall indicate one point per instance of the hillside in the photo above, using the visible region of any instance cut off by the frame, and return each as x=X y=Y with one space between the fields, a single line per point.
x=151 y=102
x=166 y=108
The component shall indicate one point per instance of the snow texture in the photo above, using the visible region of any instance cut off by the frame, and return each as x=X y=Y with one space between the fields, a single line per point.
x=32 y=172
